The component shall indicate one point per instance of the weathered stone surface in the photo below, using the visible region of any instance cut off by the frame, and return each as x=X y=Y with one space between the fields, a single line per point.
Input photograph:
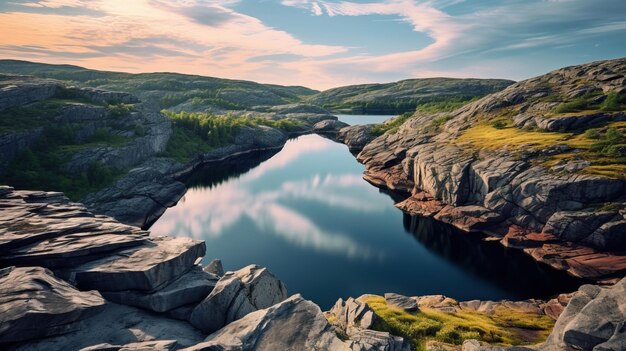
x=356 y=137
x=34 y=304
x=402 y=302
x=355 y=319
x=237 y=294
x=119 y=325
x=328 y=126
x=161 y=345
x=479 y=188
x=13 y=94
x=438 y=302
x=294 y=324
x=593 y=319
x=352 y=314
x=190 y=288
x=215 y=267
x=144 y=268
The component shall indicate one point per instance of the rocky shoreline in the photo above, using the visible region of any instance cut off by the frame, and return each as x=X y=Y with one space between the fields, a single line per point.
x=569 y=220
x=89 y=282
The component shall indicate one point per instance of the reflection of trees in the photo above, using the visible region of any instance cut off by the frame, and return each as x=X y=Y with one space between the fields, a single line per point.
x=216 y=173
x=510 y=269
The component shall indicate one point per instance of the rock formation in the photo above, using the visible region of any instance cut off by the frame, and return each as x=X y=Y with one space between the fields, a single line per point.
x=497 y=166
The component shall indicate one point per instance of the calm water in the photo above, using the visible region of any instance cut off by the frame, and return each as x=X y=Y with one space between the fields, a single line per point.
x=363 y=119
x=307 y=215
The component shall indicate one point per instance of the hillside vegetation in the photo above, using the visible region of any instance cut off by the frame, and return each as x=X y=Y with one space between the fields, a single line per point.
x=407 y=95
x=179 y=92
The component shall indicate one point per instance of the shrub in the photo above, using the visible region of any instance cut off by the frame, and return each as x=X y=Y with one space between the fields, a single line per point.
x=120 y=110
x=614 y=102
x=392 y=126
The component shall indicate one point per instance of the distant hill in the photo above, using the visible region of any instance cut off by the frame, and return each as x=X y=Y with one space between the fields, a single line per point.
x=405 y=95
x=172 y=91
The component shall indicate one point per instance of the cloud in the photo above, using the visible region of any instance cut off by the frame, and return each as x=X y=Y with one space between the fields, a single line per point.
x=213 y=37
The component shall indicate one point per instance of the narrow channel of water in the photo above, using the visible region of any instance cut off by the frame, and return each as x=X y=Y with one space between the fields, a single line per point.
x=306 y=213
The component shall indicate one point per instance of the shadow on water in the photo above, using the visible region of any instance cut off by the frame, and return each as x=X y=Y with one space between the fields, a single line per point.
x=300 y=211
x=216 y=173
x=511 y=269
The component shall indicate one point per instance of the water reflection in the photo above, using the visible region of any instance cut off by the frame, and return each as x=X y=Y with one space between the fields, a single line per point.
x=307 y=214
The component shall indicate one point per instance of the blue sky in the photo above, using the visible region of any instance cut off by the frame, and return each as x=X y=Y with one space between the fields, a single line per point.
x=316 y=43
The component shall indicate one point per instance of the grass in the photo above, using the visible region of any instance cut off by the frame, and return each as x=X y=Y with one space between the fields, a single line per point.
x=582 y=103
x=504 y=327
x=392 y=126
x=486 y=136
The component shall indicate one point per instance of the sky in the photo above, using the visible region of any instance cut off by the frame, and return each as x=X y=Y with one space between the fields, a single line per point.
x=316 y=43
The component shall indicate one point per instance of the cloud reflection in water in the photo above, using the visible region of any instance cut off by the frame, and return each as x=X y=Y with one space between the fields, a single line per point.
x=211 y=212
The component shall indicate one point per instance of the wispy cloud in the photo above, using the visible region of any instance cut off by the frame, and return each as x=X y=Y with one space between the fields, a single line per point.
x=214 y=37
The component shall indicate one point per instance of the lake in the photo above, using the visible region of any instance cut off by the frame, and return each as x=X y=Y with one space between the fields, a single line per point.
x=307 y=215
x=363 y=119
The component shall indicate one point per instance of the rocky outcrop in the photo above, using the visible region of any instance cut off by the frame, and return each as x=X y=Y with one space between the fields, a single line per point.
x=555 y=211
x=235 y=295
x=356 y=137
x=402 y=302
x=36 y=304
x=593 y=320
x=355 y=320
x=15 y=95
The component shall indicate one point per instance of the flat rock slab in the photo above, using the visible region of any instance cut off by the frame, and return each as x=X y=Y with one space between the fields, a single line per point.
x=118 y=325
x=69 y=250
x=191 y=288
x=402 y=302
x=159 y=345
x=148 y=267
x=34 y=304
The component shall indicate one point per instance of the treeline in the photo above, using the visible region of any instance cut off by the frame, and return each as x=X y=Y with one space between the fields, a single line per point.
x=197 y=132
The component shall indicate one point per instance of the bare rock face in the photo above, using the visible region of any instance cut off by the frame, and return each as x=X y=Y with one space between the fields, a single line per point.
x=191 y=288
x=119 y=326
x=235 y=295
x=594 y=319
x=161 y=345
x=512 y=191
x=215 y=267
x=402 y=302
x=13 y=95
x=356 y=137
x=328 y=126
x=144 y=268
x=294 y=324
x=35 y=304
x=355 y=320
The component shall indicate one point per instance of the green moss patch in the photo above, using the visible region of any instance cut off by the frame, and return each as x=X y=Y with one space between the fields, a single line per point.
x=503 y=327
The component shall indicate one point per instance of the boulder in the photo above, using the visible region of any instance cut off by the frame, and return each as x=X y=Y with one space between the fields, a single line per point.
x=145 y=268
x=402 y=302
x=191 y=288
x=356 y=137
x=235 y=295
x=352 y=314
x=119 y=326
x=215 y=267
x=36 y=304
x=294 y=324
x=328 y=126
x=593 y=319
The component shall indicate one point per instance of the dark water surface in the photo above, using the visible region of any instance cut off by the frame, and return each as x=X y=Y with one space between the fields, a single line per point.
x=307 y=215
